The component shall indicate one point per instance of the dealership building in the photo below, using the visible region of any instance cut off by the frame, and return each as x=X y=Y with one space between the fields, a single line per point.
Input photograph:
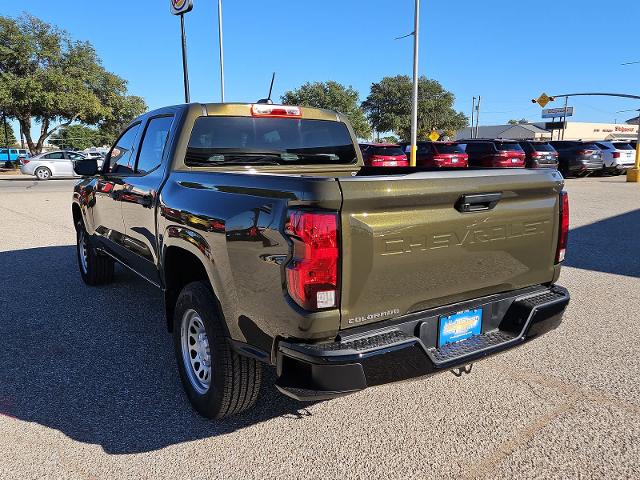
x=553 y=131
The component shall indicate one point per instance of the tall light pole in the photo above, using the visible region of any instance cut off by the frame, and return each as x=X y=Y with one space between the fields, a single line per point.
x=221 y=51
x=414 y=99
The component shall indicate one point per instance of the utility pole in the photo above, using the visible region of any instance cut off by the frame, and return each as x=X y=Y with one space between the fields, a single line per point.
x=414 y=99
x=564 y=120
x=477 y=116
x=221 y=51
x=473 y=107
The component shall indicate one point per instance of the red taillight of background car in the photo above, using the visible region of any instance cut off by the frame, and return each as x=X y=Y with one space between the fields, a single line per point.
x=312 y=273
x=616 y=154
x=563 y=233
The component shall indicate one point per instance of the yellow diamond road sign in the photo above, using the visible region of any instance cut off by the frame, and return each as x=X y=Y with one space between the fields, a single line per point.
x=543 y=100
x=433 y=136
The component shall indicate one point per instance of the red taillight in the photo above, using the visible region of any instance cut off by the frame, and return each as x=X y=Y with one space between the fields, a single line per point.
x=616 y=154
x=25 y=161
x=564 y=227
x=584 y=152
x=312 y=273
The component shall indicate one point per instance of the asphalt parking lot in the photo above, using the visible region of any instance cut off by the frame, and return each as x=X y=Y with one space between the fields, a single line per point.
x=89 y=386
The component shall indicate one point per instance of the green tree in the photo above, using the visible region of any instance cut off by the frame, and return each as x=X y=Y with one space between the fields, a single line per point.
x=333 y=96
x=13 y=142
x=518 y=122
x=389 y=139
x=77 y=137
x=388 y=107
x=48 y=78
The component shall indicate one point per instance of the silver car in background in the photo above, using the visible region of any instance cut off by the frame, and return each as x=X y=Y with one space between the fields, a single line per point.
x=54 y=164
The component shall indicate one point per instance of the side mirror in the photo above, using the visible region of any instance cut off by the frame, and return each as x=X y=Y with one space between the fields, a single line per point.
x=86 y=168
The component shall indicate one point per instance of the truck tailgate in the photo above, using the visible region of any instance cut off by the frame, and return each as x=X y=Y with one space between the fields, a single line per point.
x=409 y=247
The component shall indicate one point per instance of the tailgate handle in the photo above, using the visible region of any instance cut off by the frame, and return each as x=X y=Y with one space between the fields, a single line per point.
x=477 y=202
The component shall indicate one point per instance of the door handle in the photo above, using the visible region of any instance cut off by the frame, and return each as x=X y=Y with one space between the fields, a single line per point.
x=477 y=202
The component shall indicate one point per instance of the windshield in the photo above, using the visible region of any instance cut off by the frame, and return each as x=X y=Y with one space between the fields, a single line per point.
x=543 y=147
x=391 y=151
x=449 y=147
x=509 y=147
x=268 y=141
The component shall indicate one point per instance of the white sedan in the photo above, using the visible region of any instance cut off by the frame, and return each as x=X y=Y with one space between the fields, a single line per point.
x=54 y=164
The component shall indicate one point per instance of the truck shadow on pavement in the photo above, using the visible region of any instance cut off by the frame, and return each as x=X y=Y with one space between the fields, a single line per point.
x=609 y=245
x=97 y=364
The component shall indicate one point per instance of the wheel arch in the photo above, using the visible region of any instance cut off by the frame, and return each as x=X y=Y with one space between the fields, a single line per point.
x=181 y=266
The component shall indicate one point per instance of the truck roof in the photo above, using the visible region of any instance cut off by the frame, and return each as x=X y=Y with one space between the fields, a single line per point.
x=244 y=110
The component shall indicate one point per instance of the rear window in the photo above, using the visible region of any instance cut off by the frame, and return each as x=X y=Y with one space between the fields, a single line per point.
x=268 y=141
x=448 y=148
x=590 y=146
x=387 y=151
x=542 y=147
x=508 y=147
x=623 y=146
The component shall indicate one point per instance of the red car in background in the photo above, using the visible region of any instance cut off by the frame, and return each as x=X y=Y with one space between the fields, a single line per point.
x=439 y=154
x=494 y=153
x=383 y=155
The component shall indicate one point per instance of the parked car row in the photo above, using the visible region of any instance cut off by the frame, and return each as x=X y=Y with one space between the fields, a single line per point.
x=571 y=157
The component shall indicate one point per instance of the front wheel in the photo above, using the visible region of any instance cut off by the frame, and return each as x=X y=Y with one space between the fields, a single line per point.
x=43 y=173
x=217 y=380
x=95 y=269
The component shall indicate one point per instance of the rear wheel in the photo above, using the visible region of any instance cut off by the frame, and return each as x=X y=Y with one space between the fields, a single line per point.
x=43 y=173
x=217 y=380
x=95 y=269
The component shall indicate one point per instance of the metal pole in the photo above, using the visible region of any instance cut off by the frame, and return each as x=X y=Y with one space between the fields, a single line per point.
x=633 y=174
x=477 y=115
x=221 y=51
x=6 y=136
x=185 y=69
x=473 y=107
x=414 y=99
x=564 y=122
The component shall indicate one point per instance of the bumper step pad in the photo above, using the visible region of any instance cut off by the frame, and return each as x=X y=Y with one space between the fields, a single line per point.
x=453 y=351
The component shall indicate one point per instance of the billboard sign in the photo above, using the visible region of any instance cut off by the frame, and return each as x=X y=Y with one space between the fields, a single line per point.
x=180 y=7
x=557 y=112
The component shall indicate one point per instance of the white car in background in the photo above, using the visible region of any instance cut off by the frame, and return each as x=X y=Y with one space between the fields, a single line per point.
x=617 y=156
x=48 y=165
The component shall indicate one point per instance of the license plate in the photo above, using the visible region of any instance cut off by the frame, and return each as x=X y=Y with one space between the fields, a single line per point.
x=514 y=160
x=392 y=163
x=454 y=160
x=459 y=326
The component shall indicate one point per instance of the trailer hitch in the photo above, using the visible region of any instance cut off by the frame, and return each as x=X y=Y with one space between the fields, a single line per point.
x=458 y=372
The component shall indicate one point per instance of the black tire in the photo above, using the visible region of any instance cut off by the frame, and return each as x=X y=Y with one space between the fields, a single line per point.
x=233 y=380
x=95 y=268
x=42 y=173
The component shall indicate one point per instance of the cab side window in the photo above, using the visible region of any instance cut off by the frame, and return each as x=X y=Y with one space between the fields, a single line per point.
x=153 y=144
x=54 y=156
x=121 y=157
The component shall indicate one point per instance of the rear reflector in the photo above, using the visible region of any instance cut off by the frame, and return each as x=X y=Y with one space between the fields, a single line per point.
x=563 y=232
x=278 y=111
x=312 y=273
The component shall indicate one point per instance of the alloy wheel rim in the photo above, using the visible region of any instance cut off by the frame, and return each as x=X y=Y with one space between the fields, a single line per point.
x=82 y=251
x=43 y=173
x=196 y=352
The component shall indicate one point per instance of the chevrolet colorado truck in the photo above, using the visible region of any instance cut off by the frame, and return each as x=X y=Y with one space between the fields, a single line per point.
x=273 y=244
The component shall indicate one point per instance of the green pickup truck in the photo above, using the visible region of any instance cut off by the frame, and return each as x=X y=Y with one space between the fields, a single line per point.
x=274 y=244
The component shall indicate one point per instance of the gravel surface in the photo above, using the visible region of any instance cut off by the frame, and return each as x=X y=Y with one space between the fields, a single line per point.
x=89 y=386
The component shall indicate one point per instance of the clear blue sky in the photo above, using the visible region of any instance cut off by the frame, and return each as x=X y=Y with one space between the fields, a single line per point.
x=505 y=50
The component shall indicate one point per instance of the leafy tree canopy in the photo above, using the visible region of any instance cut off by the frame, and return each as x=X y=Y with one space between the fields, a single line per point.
x=388 y=107
x=518 y=122
x=48 y=78
x=77 y=137
x=333 y=96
